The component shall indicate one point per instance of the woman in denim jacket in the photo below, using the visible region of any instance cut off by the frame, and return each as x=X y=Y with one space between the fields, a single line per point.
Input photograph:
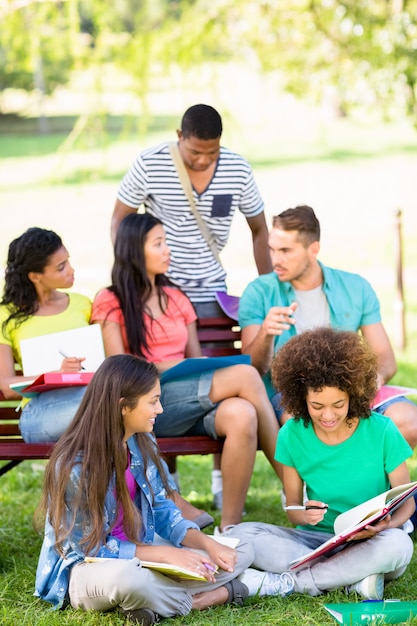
x=105 y=496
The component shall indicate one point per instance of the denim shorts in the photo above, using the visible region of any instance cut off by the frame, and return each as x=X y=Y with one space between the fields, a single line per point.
x=48 y=414
x=187 y=408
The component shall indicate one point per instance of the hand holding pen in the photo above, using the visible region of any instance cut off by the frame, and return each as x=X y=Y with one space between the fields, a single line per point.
x=312 y=512
x=71 y=363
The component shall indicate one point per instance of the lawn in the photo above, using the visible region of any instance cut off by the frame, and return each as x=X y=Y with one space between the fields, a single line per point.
x=19 y=547
x=354 y=176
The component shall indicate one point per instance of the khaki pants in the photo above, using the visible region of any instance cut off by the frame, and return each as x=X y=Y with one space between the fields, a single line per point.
x=106 y=585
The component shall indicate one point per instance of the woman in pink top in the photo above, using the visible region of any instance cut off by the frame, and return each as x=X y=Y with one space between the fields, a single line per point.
x=143 y=314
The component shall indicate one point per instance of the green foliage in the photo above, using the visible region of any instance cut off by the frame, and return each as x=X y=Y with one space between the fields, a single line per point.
x=354 y=52
x=37 y=45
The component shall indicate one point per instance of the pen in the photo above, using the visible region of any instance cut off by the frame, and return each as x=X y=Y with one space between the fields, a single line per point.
x=62 y=353
x=300 y=507
x=209 y=567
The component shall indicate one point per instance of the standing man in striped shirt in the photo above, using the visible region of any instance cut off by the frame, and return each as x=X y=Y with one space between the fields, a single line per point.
x=222 y=182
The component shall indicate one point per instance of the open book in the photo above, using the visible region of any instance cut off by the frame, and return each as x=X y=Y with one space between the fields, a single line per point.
x=371 y=612
x=176 y=571
x=350 y=522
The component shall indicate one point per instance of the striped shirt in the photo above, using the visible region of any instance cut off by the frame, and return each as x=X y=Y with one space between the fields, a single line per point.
x=153 y=181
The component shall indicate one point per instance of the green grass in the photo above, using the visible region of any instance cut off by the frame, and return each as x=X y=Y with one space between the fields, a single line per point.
x=19 y=548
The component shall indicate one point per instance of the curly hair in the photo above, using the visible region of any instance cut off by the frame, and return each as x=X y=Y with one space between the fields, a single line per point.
x=325 y=357
x=28 y=253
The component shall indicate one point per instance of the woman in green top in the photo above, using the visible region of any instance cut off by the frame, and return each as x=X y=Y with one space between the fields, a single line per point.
x=345 y=454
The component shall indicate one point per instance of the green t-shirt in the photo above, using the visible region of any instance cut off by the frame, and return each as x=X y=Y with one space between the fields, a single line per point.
x=345 y=474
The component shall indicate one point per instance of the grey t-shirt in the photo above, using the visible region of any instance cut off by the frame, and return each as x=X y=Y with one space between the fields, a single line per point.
x=312 y=309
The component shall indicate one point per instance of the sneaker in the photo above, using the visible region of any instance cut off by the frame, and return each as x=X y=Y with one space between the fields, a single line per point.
x=371 y=587
x=140 y=617
x=226 y=530
x=267 y=583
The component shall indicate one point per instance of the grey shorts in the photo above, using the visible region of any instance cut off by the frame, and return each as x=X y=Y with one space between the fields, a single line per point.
x=187 y=407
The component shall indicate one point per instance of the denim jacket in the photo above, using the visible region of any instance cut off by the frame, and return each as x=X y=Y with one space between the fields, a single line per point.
x=161 y=517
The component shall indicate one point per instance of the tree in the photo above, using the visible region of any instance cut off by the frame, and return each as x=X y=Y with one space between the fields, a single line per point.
x=365 y=49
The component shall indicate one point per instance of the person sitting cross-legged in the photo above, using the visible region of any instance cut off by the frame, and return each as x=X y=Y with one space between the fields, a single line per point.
x=346 y=454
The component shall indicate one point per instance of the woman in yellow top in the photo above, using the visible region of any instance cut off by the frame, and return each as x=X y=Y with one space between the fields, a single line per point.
x=38 y=267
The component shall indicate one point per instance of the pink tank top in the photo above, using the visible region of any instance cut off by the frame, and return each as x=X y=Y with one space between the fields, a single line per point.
x=131 y=486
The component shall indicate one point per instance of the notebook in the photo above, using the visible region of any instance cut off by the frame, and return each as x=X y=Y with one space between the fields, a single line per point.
x=372 y=612
x=42 y=354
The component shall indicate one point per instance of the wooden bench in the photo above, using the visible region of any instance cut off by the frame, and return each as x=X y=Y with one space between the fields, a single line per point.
x=218 y=337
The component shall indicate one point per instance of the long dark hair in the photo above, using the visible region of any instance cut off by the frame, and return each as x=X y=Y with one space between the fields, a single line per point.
x=95 y=440
x=28 y=253
x=130 y=282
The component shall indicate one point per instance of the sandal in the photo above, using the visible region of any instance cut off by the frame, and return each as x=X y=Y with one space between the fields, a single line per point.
x=238 y=592
x=140 y=617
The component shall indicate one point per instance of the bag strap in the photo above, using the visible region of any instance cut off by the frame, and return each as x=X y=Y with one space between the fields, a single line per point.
x=186 y=185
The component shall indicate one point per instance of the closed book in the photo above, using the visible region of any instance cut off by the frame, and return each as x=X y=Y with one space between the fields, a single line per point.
x=197 y=365
x=372 y=612
x=50 y=381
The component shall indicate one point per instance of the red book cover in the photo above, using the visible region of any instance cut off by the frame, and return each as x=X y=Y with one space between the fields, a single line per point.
x=53 y=380
x=388 y=392
x=350 y=522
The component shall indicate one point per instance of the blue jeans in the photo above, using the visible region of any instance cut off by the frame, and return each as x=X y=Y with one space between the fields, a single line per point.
x=275 y=547
x=48 y=414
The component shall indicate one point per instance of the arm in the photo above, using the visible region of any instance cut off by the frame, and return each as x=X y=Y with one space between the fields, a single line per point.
x=259 y=231
x=112 y=337
x=293 y=487
x=258 y=339
x=376 y=336
x=119 y=212
x=193 y=348
x=7 y=373
x=399 y=476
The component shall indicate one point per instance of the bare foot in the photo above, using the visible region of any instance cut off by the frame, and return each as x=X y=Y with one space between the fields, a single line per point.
x=205 y=599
